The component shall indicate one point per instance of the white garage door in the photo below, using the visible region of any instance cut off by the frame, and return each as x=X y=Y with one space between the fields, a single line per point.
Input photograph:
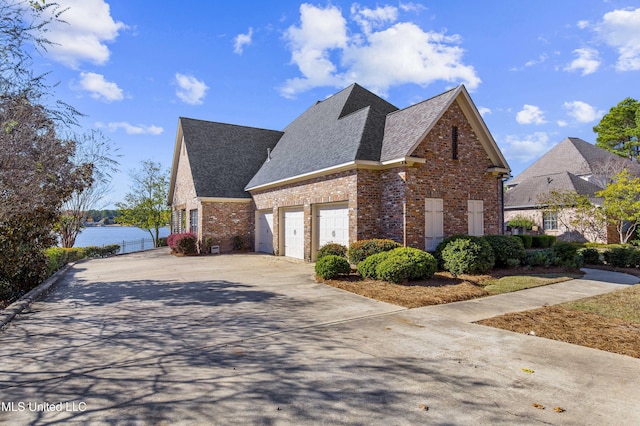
x=294 y=233
x=264 y=232
x=333 y=225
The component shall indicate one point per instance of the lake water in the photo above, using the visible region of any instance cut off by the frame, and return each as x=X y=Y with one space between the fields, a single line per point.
x=126 y=236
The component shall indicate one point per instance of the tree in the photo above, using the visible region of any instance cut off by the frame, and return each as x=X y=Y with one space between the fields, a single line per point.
x=146 y=206
x=619 y=129
x=91 y=148
x=575 y=212
x=36 y=177
x=621 y=205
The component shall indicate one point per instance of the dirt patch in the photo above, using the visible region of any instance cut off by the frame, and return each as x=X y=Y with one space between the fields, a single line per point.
x=574 y=326
x=442 y=288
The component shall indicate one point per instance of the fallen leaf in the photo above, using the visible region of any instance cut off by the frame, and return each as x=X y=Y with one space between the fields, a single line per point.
x=538 y=406
x=424 y=407
x=527 y=370
x=559 y=410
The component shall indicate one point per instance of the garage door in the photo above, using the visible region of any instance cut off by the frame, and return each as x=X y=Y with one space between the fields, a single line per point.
x=294 y=233
x=264 y=232
x=333 y=225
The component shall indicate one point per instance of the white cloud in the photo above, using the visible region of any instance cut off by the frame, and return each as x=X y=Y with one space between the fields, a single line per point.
x=131 y=129
x=588 y=61
x=619 y=29
x=83 y=36
x=484 y=111
x=583 y=24
x=527 y=147
x=412 y=7
x=582 y=112
x=190 y=89
x=99 y=87
x=530 y=114
x=369 y=19
x=241 y=41
x=329 y=53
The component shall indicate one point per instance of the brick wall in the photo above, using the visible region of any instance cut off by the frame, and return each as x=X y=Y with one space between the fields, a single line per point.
x=222 y=221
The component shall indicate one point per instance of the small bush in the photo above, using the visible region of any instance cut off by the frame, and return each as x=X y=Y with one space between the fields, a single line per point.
x=542 y=241
x=527 y=240
x=506 y=248
x=622 y=257
x=240 y=243
x=406 y=264
x=360 y=250
x=367 y=268
x=567 y=254
x=442 y=244
x=331 y=266
x=465 y=256
x=521 y=221
x=162 y=242
x=332 y=248
x=544 y=257
x=57 y=257
x=185 y=243
x=591 y=256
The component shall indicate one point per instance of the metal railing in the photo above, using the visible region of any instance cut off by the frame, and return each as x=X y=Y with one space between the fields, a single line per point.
x=135 y=245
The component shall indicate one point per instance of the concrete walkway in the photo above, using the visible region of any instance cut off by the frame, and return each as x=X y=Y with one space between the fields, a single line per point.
x=250 y=339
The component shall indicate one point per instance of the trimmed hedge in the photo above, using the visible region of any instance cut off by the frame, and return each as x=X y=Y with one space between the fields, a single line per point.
x=468 y=256
x=542 y=241
x=567 y=254
x=360 y=250
x=57 y=257
x=508 y=250
x=406 y=264
x=367 y=268
x=332 y=248
x=542 y=257
x=590 y=256
x=622 y=257
x=527 y=240
x=442 y=244
x=331 y=266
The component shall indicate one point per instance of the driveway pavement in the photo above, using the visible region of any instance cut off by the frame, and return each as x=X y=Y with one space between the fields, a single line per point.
x=249 y=339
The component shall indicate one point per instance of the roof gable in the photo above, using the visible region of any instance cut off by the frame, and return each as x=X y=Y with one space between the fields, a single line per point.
x=343 y=128
x=529 y=192
x=223 y=157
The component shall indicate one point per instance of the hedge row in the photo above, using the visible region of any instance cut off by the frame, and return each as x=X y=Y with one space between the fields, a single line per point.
x=57 y=257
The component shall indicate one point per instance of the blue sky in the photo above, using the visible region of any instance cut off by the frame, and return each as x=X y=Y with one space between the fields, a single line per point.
x=538 y=71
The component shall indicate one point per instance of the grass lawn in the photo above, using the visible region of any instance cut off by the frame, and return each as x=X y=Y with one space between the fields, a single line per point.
x=511 y=283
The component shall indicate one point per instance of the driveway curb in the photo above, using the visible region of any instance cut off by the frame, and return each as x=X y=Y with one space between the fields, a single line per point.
x=8 y=313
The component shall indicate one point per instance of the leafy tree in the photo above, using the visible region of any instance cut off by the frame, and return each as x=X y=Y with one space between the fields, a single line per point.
x=575 y=212
x=146 y=206
x=93 y=148
x=619 y=129
x=621 y=205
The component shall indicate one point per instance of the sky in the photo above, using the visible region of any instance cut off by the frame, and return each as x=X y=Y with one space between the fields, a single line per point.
x=538 y=71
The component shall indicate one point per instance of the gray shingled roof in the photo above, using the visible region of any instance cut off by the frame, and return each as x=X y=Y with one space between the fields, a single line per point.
x=345 y=127
x=224 y=157
x=572 y=155
x=528 y=193
x=405 y=127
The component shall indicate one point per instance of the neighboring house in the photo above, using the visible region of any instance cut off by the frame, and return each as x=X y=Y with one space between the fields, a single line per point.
x=351 y=167
x=573 y=165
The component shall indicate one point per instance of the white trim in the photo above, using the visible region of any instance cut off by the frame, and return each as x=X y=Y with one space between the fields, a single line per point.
x=223 y=200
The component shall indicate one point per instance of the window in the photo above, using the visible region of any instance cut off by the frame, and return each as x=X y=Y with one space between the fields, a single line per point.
x=193 y=221
x=549 y=220
x=454 y=142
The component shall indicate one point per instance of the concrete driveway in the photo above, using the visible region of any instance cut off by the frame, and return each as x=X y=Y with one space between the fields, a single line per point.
x=249 y=339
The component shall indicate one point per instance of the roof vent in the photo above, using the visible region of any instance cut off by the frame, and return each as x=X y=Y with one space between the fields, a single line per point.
x=268 y=154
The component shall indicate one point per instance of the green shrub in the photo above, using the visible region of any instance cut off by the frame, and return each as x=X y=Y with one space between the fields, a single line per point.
x=521 y=221
x=7 y=291
x=360 y=250
x=506 y=248
x=57 y=257
x=185 y=243
x=567 y=254
x=330 y=266
x=466 y=256
x=406 y=264
x=162 y=242
x=590 y=256
x=442 y=244
x=527 y=240
x=622 y=257
x=542 y=241
x=543 y=257
x=367 y=268
x=332 y=248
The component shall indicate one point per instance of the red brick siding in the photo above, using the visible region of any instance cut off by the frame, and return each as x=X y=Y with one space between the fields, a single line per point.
x=222 y=221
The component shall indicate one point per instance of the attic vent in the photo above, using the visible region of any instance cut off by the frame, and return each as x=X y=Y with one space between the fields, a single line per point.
x=454 y=142
x=268 y=154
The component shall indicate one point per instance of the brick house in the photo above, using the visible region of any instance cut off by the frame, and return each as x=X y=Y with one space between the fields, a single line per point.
x=573 y=165
x=351 y=167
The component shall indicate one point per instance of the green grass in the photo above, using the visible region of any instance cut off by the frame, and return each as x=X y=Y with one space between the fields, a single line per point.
x=521 y=282
x=623 y=304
